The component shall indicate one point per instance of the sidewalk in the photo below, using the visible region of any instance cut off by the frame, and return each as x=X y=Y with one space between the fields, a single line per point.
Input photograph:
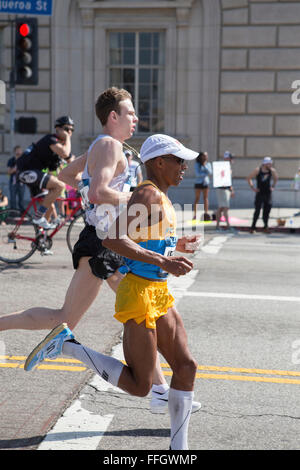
x=281 y=220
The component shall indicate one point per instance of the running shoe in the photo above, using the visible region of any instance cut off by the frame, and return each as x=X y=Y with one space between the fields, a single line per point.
x=43 y=222
x=46 y=252
x=50 y=347
x=159 y=403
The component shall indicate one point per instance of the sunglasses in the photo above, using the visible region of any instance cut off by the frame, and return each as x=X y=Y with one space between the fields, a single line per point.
x=178 y=160
x=68 y=129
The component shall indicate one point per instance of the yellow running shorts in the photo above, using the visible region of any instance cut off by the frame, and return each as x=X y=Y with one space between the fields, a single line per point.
x=142 y=299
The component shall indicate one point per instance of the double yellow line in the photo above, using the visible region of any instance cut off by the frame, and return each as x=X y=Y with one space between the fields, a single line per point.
x=272 y=375
x=50 y=364
x=207 y=372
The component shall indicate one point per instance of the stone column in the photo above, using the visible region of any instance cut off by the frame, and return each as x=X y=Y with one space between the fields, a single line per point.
x=182 y=17
x=88 y=54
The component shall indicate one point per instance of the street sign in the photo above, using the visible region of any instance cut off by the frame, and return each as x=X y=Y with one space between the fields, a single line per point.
x=26 y=7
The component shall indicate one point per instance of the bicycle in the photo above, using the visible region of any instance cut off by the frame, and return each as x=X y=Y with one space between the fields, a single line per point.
x=20 y=237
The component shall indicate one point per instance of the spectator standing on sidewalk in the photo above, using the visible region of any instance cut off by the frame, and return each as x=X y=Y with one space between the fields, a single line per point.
x=266 y=180
x=224 y=194
x=16 y=188
x=203 y=171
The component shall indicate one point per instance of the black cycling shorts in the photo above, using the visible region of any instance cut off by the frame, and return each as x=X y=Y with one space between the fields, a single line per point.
x=36 y=180
x=103 y=262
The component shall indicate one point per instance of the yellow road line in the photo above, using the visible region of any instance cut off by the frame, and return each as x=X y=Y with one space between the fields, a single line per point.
x=248 y=378
x=54 y=367
x=245 y=370
x=11 y=365
x=219 y=376
x=59 y=359
x=245 y=378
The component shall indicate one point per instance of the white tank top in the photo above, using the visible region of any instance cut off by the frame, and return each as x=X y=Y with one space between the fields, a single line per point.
x=101 y=216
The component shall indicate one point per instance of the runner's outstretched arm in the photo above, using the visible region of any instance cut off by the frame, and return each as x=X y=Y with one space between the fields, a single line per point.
x=71 y=174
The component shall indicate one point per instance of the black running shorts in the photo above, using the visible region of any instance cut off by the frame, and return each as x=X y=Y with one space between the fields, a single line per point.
x=103 y=262
x=36 y=180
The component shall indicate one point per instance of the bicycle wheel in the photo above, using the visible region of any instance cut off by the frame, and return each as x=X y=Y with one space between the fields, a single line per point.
x=17 y=236
x=74 y=230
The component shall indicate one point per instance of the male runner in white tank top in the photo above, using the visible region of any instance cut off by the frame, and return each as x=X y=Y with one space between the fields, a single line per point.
x=106 y=161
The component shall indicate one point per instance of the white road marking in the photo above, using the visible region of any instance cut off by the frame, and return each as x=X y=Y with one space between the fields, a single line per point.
x=77 y=429
x=2 y=351
x=226 y=295
x=274 y=245
x=178 y=286
x=215 y=244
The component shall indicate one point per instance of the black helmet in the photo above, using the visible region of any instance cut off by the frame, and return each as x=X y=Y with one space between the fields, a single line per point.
x=63 y=121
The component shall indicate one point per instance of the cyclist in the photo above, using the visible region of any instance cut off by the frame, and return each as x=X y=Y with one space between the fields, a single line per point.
x=48 y=153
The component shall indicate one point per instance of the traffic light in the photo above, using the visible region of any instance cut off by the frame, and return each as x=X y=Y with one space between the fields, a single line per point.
x=26 y=51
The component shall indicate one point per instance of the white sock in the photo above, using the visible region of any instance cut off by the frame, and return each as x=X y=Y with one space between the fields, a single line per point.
x=161 y=389
x=107 y=367
x=180 y=406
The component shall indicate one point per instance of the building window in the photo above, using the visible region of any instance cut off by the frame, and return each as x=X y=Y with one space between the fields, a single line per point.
x=137 y=63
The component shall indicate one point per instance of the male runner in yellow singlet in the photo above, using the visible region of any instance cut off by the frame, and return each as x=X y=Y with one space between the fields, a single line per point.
x=143 y=303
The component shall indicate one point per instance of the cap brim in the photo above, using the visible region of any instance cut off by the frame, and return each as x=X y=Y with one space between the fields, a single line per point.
x=186 y=154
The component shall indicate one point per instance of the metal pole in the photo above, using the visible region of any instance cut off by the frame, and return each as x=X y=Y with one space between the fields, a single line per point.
x=12 y=89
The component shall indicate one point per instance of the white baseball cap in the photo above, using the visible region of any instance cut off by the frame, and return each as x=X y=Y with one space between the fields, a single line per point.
x=227 y=155
x=158 y=145
x=267 y=160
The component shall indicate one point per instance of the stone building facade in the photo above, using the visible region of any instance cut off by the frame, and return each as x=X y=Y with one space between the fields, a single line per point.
x=217 y=74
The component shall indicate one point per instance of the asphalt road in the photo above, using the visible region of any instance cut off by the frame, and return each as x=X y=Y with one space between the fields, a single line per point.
x=240 y=307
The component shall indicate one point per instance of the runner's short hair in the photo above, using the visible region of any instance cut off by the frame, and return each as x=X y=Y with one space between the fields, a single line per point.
x=109 y=101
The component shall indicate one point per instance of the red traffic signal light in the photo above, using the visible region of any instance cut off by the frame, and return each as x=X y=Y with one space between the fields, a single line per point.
x=26 y=51
x=24 y=29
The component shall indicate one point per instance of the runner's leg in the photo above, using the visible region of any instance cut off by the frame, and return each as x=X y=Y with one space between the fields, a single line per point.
x=140 y=353
x=159 y=382
x=81 y=293
x=114 y=280
x=139 y=344
x=172 y=342
x=158 y=377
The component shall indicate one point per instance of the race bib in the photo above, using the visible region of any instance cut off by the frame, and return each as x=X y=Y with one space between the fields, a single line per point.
x=169 y=251
x=83 y=188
